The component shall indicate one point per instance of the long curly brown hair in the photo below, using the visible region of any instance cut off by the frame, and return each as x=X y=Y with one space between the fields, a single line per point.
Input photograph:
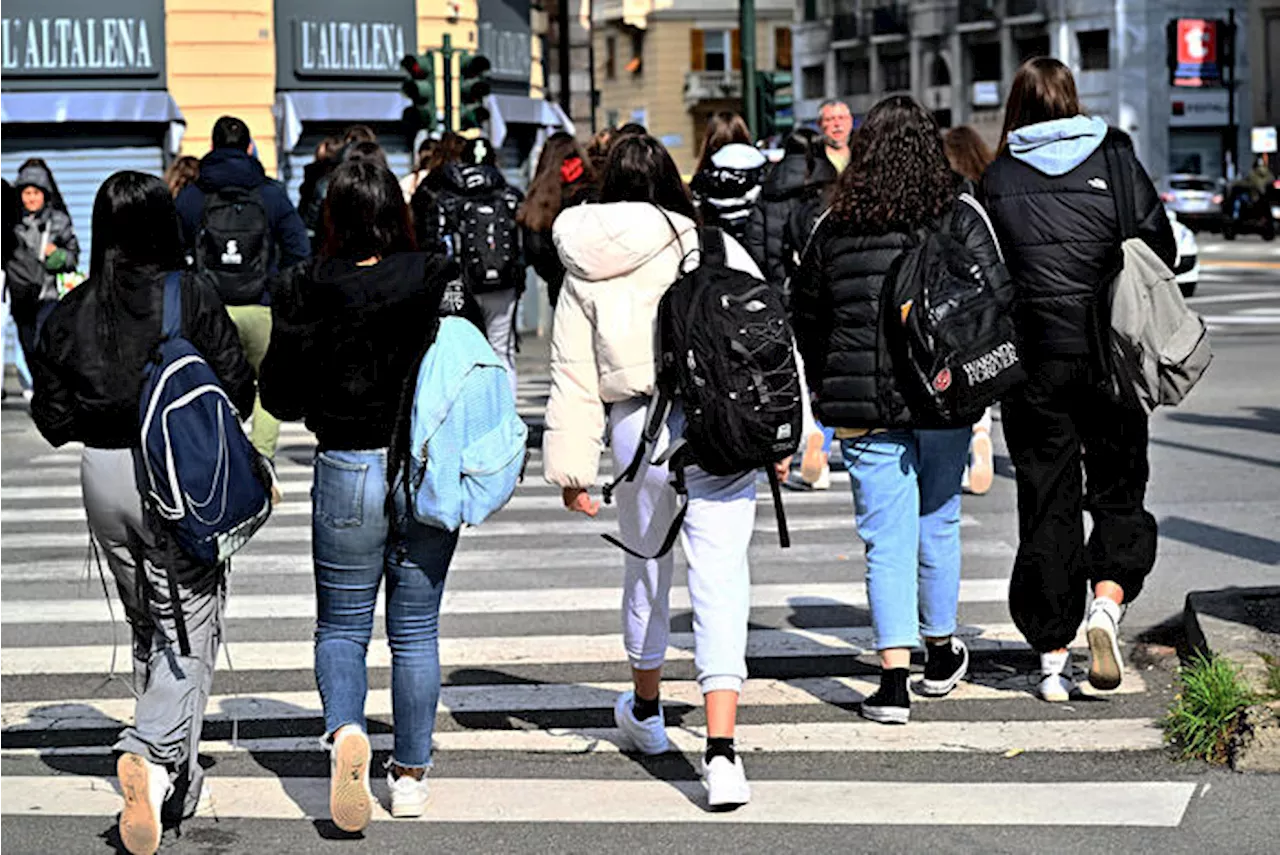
x=898 y=178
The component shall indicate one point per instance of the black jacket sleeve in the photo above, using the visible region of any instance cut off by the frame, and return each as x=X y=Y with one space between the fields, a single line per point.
x=755 y=239
x=810 y=317
x=972 y=229
x=287 y=229
x=1149 y=212
x=540 y=252
x=282 y=379
x=207 y=325
x=54 y=407
x=426 y=217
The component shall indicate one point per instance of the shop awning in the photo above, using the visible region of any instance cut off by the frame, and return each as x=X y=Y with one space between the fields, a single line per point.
x=521 y=110
x=89 y=106
x=294 y=108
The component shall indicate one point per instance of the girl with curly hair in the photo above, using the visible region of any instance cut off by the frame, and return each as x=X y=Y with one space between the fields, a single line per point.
x=906 y=480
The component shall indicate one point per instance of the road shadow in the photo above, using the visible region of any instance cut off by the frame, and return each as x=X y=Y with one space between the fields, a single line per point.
x=1227 y=541
x=1262 y=420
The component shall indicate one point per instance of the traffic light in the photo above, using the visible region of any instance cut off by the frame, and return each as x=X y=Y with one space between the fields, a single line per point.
x=776 y=109
x=420 y=89
x=474 y=88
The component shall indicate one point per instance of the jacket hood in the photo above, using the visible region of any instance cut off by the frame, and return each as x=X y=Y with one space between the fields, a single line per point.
x=607 y=241
x=229 y=167
x=739 y=156
x=733 y=178
x=788 y=177
x=1057 y=147
x=470 y=180
x=38 y=177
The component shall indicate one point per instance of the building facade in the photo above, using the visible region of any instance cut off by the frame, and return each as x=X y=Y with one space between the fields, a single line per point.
x=958 y=57
x=1264 y=45
x=670 y=64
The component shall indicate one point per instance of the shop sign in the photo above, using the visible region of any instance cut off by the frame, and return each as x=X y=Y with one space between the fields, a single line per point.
x=1203 y=108
x=74 y=43
x=1263 y=140
x=1197 y=53
x=507 y=39
x=338 y=44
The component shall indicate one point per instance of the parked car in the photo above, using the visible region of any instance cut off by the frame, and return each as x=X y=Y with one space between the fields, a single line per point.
x=1187 y=266
x=1196 y=199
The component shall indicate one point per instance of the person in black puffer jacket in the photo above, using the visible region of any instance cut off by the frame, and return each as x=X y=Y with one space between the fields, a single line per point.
x=1051 y=197
x=730 y=172
x=906 y=481
x=790 y=201
x=564 y=178
x=88 y=370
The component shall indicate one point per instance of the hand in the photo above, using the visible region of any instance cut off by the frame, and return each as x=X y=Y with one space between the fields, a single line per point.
x=578 y=500
x=49 y=249
x=783 y=468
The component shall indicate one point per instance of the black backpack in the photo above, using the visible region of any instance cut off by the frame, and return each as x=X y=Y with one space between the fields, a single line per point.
x=488 y=238
x=948 y=334
x=233 y=247
x=725 y=350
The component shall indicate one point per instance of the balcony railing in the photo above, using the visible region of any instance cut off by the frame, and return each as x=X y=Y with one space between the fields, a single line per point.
x=711 y=86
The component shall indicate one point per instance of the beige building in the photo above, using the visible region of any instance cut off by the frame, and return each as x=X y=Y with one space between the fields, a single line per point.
x=670 y=64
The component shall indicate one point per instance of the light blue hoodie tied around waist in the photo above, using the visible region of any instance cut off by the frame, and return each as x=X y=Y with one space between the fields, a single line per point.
x=1057 y=147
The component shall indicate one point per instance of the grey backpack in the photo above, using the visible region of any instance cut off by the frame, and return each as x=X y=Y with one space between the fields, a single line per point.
x=1159 y=347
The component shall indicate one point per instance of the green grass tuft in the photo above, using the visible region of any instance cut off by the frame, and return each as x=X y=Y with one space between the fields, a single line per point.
x=1205 y=713
x=1273 y=676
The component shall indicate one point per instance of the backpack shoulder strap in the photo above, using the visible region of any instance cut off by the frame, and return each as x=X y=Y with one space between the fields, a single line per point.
x=1121 y=188
x=171 y=325
x=711 y=243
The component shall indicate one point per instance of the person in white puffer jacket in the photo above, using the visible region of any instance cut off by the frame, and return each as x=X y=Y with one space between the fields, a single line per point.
x=620 y=256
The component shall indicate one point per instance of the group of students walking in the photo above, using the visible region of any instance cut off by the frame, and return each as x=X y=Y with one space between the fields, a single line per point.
x=611 y=228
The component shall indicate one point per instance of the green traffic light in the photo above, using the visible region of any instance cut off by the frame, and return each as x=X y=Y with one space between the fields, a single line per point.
x=420 y=89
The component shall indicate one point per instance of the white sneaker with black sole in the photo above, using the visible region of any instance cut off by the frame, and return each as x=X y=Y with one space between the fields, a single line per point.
x=945 y=666
x=1102 y=632
x=646 y=737
x=725 y=782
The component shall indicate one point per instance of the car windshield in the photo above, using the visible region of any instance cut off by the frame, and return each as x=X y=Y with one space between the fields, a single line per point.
x=1202 y=184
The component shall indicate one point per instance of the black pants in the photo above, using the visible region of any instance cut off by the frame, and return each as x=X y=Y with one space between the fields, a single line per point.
x=1057 y=419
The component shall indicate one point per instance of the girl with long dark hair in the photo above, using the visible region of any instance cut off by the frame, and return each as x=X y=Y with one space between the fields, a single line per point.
x=730 y=171
x=621 y=255
x=88 y=374
x=1052 y=192
x=349 y=329
x=564 y=178
x=906 y=480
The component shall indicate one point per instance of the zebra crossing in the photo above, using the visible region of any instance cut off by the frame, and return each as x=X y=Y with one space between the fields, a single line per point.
x=532 y=664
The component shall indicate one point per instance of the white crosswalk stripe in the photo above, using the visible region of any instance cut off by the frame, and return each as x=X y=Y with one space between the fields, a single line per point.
x=533 y=663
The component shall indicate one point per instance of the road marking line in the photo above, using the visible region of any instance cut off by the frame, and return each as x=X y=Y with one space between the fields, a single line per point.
x=1259 y=297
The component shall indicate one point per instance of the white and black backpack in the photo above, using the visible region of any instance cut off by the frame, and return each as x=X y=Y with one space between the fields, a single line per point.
x=725 y=351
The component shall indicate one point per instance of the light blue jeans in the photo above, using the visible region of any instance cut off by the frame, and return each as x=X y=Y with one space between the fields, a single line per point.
x=906 y=496
x=354 y=547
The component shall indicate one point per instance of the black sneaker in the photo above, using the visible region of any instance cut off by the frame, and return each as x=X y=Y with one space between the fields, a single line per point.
x=945 y=666
x=891 y=704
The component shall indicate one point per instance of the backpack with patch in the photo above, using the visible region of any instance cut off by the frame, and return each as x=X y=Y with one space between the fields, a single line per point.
x=947 y=332
x=467 y=443
x=199 y=474
x=488 y=239
x=725 y=350
x=233 y=247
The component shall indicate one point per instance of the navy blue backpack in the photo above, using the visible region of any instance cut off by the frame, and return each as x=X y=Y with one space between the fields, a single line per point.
x=199 y=473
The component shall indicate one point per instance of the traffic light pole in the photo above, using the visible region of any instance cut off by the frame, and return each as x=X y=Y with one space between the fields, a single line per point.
x=747 y=38
x=446 y=51
x=1233 y=135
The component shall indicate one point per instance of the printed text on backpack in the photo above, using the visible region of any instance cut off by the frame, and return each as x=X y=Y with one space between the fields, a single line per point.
x=233 y=248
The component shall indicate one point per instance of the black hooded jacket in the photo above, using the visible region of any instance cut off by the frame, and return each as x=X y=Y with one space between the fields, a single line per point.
x=836 y=315
x=1061 y=236
x=30 y=275
x=86 y=393
x=790 y=201
x=437 y=220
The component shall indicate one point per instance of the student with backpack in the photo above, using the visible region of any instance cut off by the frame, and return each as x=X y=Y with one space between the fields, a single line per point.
x=477 y=214
x=622 y=256
x=1054 y=194
x=96 y=349
x=349 y=330
x=898 y=241
x=727 y=182
x=565 y=177
x=240 y=227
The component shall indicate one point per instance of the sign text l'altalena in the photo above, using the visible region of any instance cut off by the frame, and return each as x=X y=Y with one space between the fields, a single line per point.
x=70 y=44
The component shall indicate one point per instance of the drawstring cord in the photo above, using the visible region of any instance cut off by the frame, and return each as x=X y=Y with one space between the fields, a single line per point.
x=94 y=558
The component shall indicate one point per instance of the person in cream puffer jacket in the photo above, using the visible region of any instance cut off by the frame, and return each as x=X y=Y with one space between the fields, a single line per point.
x=621 y=256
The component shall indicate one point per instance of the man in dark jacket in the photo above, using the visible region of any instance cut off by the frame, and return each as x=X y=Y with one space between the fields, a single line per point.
x=230 y=165
x=790 y=202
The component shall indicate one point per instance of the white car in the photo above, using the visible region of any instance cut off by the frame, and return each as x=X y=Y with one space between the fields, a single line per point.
x=1187 y=265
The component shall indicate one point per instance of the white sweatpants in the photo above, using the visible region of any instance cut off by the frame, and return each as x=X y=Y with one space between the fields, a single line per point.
x=499 y=308
x=716 y=535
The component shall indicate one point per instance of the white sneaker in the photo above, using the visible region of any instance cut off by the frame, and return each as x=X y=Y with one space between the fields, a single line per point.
x=1102 y=629
x=408 y=795
x=145 y=786
x=814 y=459
x=982 y=470
x=726 y=783
x=1055 y=688
x=205 y=805
x=350 y=799
x=823 y=481
x=648 y=736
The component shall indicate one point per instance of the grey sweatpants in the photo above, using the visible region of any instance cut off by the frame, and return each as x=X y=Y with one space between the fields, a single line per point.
x=499 y=308
x=172 y=689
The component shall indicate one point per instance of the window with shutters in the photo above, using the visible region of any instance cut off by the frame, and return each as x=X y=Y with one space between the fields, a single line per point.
x=714 y=50
x=782 y=48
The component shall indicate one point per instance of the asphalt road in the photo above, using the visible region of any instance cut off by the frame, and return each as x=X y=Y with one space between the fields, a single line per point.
x=524 y=762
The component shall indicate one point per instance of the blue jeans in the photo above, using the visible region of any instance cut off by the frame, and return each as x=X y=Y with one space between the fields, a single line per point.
x=354 y=546
x=906 y=496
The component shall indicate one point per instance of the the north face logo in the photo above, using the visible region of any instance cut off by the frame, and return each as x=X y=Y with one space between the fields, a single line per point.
x=231 y=255
x=1098 y=183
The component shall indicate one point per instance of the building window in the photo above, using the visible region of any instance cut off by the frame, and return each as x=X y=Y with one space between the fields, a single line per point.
x=986 y=61
x=1095 y=50
x=782 y=48
x=611 y=118
x=1032 y=47
x=814 y=80
x=714 y=50
x=897 y=72
x=611 y=58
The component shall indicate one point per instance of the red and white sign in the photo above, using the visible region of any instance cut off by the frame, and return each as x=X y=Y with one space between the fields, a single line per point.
x=1197 y=53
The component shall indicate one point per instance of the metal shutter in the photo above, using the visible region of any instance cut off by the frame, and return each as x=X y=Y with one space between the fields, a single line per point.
x=80 y=172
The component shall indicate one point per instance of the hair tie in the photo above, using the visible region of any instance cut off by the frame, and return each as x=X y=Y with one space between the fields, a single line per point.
x=571 y=169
